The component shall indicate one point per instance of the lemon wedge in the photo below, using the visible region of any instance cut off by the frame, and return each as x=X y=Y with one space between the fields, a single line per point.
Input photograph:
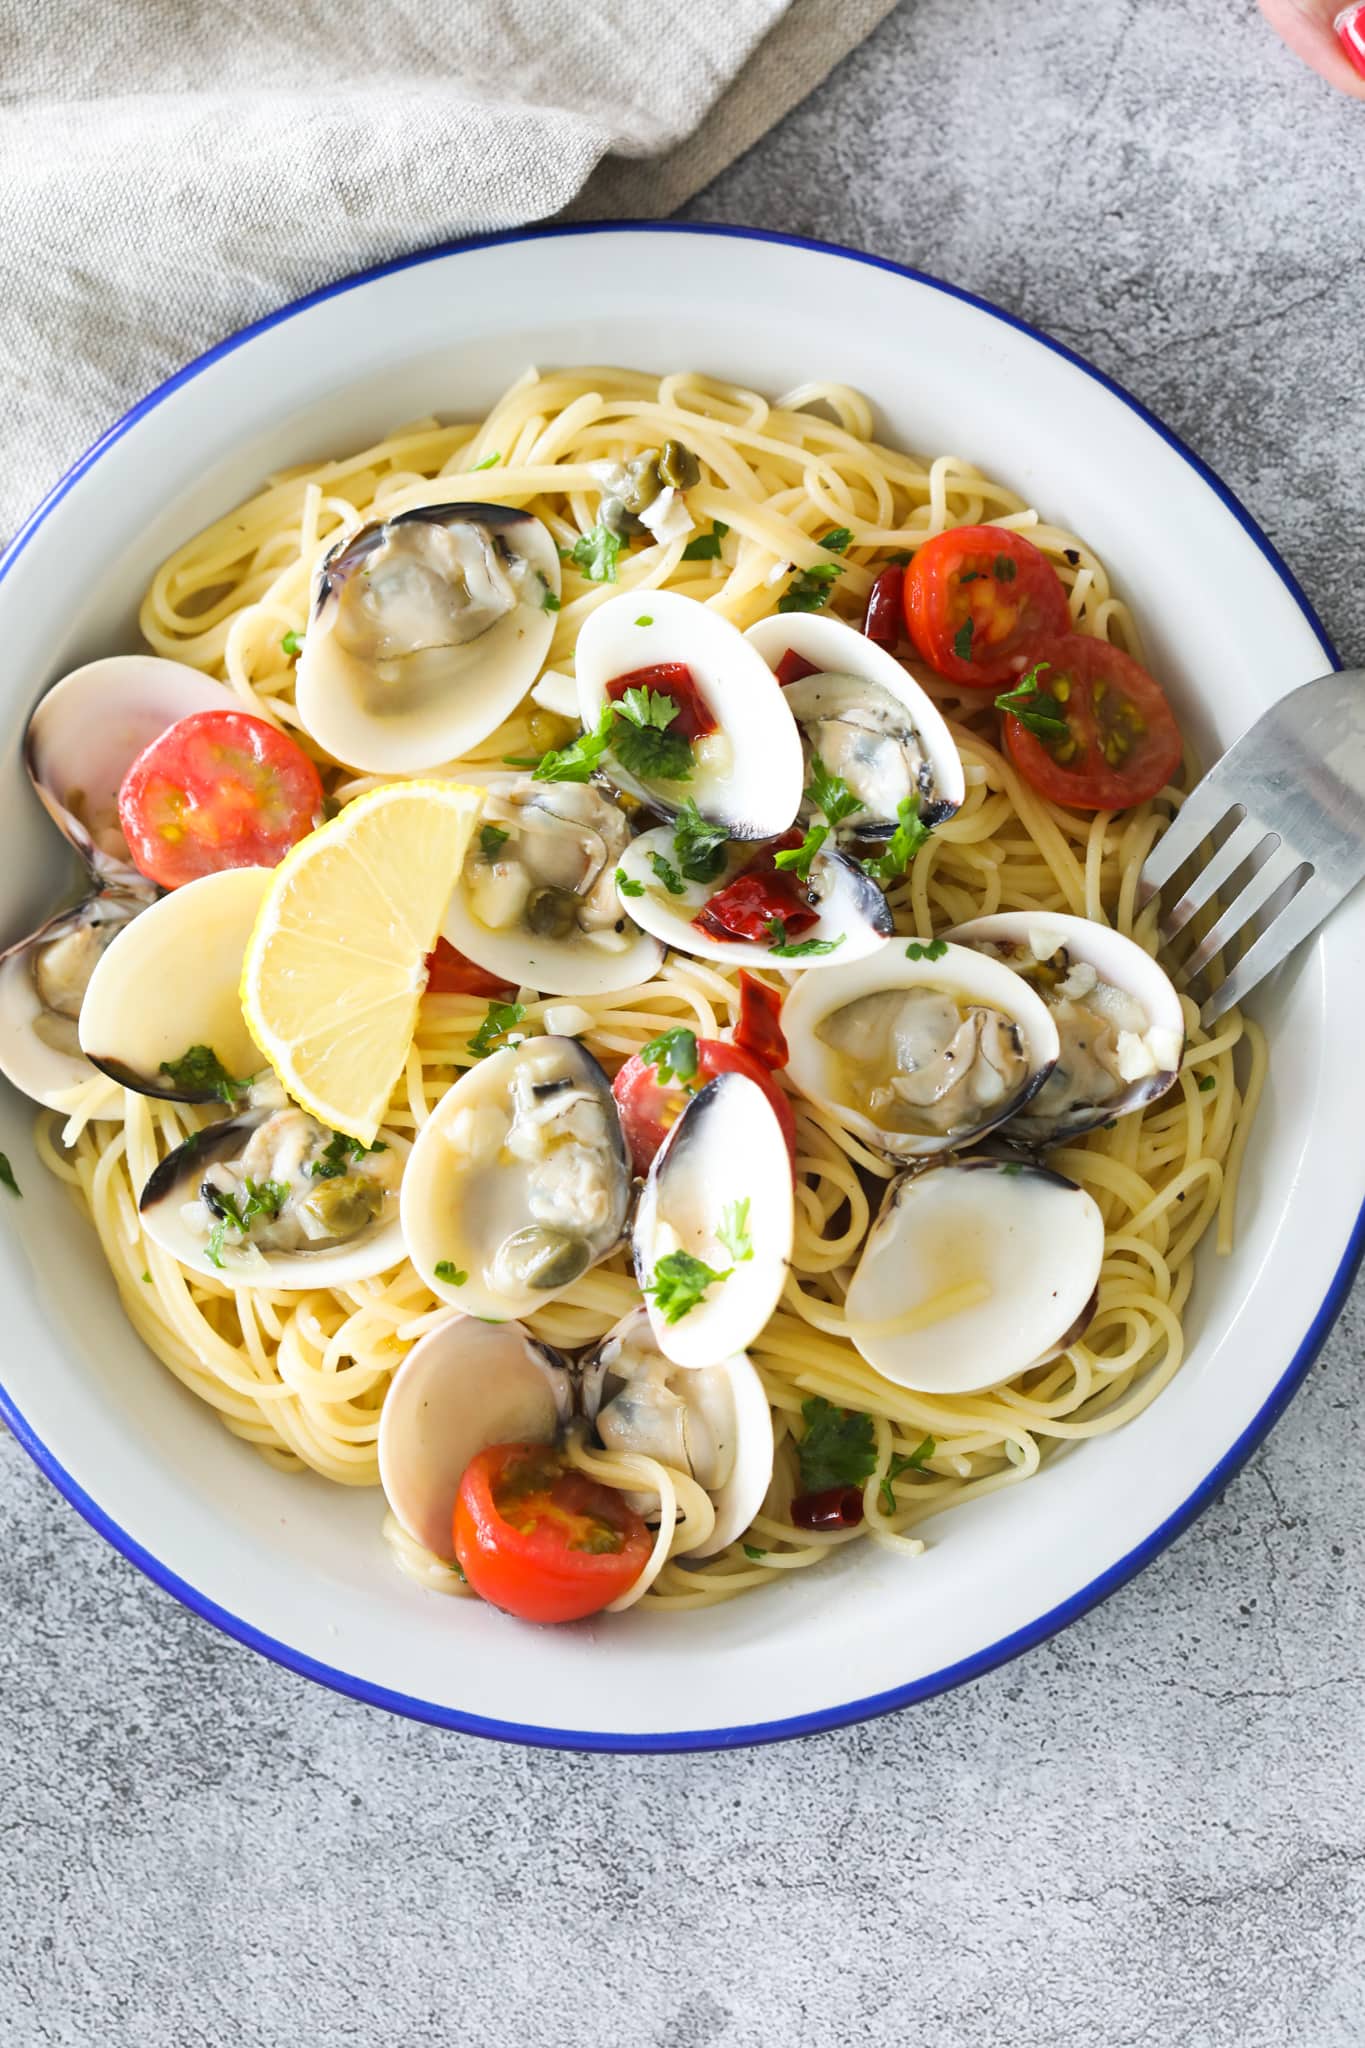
x=335 y=965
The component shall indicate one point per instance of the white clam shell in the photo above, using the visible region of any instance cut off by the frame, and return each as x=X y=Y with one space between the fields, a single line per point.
x=41 y=1071
x=1122 y=963
x=758 y=793
x=466 y=1386
x=1033 y=1239
x=340 y=701
x=815 y=1068
x=836 y=647
x=726 y=1148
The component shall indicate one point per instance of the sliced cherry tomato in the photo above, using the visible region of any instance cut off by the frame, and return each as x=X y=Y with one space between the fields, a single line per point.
x=650 y=1107
x=670 y=679
x=759 y=1030
x=1121 y=743
x=978 y=600
x=793 y=667
x=884 y=619
x=219 y=789
x=760 y=892
x=542 y=1541
x=449 y=973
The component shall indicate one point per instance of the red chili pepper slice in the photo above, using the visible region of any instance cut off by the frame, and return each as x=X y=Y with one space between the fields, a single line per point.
x=759 y=1030
x=670 y=679
x=793 y=667
x=884 y=620
x=449 y=973
x=839 y=1507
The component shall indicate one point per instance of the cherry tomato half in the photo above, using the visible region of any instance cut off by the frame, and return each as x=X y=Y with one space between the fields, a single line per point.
x=449 y=973
x=542 y=1541
x=1122 y=743
x=694 y=717
x=650 y=1108
x=219 y=789
x=978 y=599
x=759 y=1029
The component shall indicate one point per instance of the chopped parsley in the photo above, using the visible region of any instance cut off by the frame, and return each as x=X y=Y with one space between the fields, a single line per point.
x=7 y=1179
x=901 y=848
x=449 y=1272
x=263 y=1198
x=596 y=553
x=837 y=540
x=665 y=872
x=830 y=794
x=548 y=601
x=1035 y=710
x=201 y=1070
x=291 y=644
x=673 y=1055
x=935 y=950
x=1006 y=568
x=706 y=546
x=734 y=1231
x=1206 y=1082
x=962 y=639
x=810 y=590
x=838 y=1448
x=698 y=845
x=642 y=742
x=752 y=1550
x=900 y=560
x=797 y=859
x=679 y=1283
x=804 y=949
x=1013 y=1168
x=575 y=763
x=146 y=1279
x=911 y=1461
x=626 y=886
x=340 y=1153
x=645 y=619
x=492 y=839
x=489 y=462
x=499 y=1019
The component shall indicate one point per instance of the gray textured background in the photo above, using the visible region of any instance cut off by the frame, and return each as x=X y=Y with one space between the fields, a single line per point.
x=1150 y=1831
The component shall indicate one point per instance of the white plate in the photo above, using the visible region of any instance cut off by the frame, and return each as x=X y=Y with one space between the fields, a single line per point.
x=295 y=1567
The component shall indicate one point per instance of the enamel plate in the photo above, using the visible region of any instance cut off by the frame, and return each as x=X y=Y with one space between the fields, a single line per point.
x=295 y=1567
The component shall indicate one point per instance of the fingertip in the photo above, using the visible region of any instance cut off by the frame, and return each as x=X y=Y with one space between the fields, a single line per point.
x=1313 y=30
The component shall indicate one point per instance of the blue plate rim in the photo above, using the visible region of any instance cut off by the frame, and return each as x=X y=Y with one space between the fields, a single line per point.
x=967 y=1668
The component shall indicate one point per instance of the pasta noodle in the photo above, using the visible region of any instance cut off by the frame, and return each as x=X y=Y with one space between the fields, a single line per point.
x=302 y=1376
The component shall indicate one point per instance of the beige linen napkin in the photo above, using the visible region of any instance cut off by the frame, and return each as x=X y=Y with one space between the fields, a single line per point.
x=171 y=169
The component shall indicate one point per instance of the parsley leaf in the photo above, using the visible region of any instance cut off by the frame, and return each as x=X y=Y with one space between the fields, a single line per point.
x=806 y=949
x=339 y=1155
x=901 y=848
x=499 y=1019
x=7 y=1179
x=830 y=794
x=837 y=540
x=263 y=1198
x=596 y=553
x=810 y=590
x=489 y=462
x=673 y=1055
x=666 y=873
x=291 y=644
x=838 y=1448
x=644 y=620
x=798 y=859
x=752 y=1550
x=575 y=763
x=1006 y=568
x=549 y=602
x=642 y=742
x=935 y=950
x=1206 y=1082
x=679 y=1283
x=447 y=1270
x=1035 y=710
x=626 y=886
x=900 y=560
x=201 y=1069
x=698 y=844
x=734 y=1231
x=962 y=639
x=706 y=546
x=901 y=1461
x=492 y=839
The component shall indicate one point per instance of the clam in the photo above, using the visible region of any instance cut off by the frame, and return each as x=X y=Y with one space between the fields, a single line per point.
x=466 y=1386
x=921 y=1049
x=84 y=737
x=161 y=1013
x=744 y=770
x=712 y=1237
x=851 y=914
x=1020 y=1246
x=712 y=1422
x=870 y=723
x=43 y=982
x=1118 y=1017
x=536 y=901
x=272 y=1198
x=426 y=631
x=518 y=1181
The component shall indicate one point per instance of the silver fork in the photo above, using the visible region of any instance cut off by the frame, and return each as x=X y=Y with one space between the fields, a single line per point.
x=1296 y=779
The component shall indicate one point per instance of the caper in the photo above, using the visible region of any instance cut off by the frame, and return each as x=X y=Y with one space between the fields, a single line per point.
x=344 y=1206
x=642 y=485
x=552 y=913
x=678 y=466
x=540 y=1257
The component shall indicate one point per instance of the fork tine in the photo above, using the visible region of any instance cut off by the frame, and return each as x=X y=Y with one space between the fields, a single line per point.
x=1244 y=840
x=1270 y=876
x=1189 y=827
x=1275 y=944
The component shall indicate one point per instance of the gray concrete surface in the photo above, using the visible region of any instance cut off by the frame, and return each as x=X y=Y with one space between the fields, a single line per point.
x=1152 y=1831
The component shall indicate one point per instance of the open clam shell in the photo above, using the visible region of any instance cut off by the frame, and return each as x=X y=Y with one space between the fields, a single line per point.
x=718 y=1197
x=899 y=744
x=918 y=1055
x=1120 y=1025
x=746 y=776
x=466 y=1386
x=426 y=631
x=1024 y=1240
x=44 y=981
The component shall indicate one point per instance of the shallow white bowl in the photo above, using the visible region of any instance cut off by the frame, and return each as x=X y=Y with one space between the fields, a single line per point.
x=296 y=1568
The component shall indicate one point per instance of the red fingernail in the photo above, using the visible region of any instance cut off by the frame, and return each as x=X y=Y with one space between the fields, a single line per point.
x=1350 y=28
